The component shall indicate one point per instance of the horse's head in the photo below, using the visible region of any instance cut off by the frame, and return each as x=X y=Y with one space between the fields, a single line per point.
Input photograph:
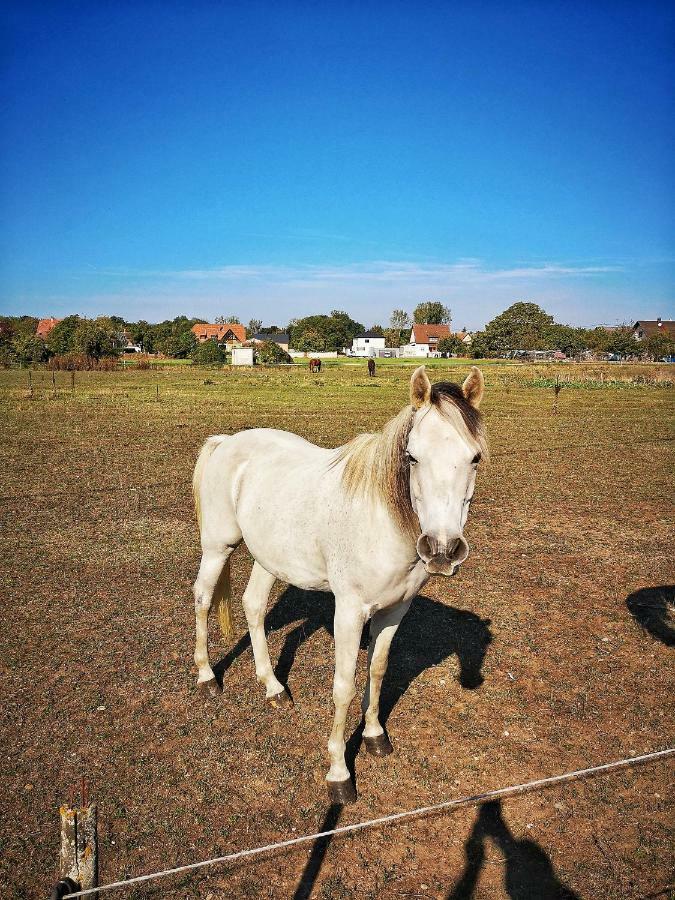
x=444 y=448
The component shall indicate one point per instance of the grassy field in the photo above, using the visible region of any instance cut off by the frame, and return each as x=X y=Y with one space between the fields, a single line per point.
x=550 y=651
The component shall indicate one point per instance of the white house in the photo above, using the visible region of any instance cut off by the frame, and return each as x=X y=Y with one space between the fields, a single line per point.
x=424 y=340
x=367 y=344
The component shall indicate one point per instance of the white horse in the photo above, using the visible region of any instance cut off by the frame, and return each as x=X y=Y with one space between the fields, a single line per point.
x=369 y=521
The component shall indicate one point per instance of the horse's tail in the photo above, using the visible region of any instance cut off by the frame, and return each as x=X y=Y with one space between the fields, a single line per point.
x=221 y=602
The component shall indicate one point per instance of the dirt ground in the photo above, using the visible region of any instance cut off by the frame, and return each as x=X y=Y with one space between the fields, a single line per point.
x=552 y=650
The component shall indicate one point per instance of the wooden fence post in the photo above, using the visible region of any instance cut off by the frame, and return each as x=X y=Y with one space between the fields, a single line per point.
x=72 y=382
x=78 y=857
x=54 y=381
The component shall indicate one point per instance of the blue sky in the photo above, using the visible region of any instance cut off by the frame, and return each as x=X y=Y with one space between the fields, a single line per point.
x=276 y=159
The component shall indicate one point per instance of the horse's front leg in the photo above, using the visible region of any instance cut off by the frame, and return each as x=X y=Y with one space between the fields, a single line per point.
x=349 y=621
x=383 y=627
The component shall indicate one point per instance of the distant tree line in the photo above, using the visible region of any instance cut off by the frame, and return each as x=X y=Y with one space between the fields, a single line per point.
x=523 y=326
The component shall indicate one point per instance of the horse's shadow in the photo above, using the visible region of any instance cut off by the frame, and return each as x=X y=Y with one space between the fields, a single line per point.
x=429 y=634
x=654 y=608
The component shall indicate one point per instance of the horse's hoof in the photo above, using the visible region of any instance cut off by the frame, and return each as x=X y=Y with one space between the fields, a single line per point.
x=278 y=701
x=342 y=792
x=380 y=745
x=209 y=689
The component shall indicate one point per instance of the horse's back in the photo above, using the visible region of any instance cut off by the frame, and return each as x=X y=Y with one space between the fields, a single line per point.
x=273 y=484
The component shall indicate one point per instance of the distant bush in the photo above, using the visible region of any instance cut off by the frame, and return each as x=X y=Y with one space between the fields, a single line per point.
x=81 y=362
x=271 y=354
x=30 y=350
x=142 y=362
x=208 y=353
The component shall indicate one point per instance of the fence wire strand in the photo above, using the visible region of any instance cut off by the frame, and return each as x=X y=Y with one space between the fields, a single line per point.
x=468 y=800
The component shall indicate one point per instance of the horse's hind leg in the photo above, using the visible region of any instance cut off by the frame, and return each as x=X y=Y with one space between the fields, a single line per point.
x=211 y=570
x=255 y=600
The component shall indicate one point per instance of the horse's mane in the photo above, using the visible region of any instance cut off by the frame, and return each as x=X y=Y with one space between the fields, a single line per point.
x=376 y=464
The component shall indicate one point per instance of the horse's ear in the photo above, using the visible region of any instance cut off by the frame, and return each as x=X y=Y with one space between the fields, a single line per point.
x=420 y=388
x=474 y=386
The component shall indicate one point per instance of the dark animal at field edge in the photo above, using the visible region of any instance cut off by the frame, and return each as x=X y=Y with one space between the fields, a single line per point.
x=371 y=367
x=315 y=366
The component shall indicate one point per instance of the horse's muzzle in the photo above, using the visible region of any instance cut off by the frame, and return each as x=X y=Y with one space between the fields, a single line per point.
x=442 y=557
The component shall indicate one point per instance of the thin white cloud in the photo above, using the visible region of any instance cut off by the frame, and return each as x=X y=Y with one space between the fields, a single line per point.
x=374 y=271
x=576 y=292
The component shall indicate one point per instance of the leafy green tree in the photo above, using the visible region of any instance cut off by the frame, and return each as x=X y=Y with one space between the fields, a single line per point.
x=12 y=327
x=323 y=332
x=432 y=312
x=523 y=326
x=478 y=348
x=254 y=326
x=208 y=353
x=399 y=322
x=399 y=319
x=392 y=337
x=271 y=354
x=376 y=329
x=227 y=320
x=620 y=342
x=30 y=350
x=182 y=344
x=451 y=344
x=594 y=338
x=659 y=345
x=96 y=337
x=142 y=333
x=61 y=338
x=567 y=339
x=174 y=337
x=309 y=340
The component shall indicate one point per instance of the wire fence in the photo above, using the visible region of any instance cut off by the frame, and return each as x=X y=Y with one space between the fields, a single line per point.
x=443 y=806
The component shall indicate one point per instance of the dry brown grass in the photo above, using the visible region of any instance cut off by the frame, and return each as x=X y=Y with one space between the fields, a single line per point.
x=528 y=663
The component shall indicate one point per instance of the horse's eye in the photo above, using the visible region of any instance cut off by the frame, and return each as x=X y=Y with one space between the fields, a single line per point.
x=411 y=459
x=476 y=459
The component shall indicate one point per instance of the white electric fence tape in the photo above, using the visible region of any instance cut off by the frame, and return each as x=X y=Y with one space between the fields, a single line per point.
x=384 y=820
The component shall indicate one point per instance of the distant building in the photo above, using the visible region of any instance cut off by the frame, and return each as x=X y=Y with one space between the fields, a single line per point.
x=243 y=356
x=127 y=344
x=230 y=333
x=276 y=337
x=45 y=326
x=424 y=340
x=367 y=344
x=645 y=328
x=464 y=336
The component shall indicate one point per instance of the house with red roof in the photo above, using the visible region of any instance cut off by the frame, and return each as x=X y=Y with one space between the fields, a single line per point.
x=424 y=339
x=229 y=333
x=45 y=326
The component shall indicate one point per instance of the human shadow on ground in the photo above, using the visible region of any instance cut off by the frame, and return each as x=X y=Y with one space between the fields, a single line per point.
x=528 y=874
x=428 y=635
x=654 y=609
